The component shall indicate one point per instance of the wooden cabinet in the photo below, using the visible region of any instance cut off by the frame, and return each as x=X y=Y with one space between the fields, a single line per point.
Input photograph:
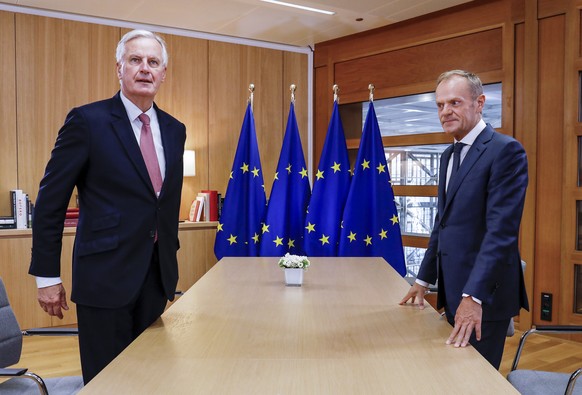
x=195 y=258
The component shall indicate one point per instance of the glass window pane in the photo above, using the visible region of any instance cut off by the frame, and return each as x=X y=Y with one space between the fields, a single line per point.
x=413 y=257
x=415 y=114
x=415 y=164
x=416 y=214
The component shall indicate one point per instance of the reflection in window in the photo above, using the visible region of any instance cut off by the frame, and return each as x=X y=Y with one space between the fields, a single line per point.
x=413 y=257
x=415 y=114
x=414 y=165
x=416 y=214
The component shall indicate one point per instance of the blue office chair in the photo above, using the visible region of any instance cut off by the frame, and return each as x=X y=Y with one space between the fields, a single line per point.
x=537 y=382
x=21 y=381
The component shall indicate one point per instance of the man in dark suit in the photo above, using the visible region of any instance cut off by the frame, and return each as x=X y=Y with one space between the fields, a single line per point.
x=128 y=172
x=473 y=247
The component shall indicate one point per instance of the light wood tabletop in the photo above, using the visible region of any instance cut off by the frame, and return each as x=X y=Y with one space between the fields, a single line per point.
x=240 y=330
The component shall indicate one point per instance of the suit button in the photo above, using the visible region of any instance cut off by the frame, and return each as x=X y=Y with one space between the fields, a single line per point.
x=152 y=233
x=443 y=225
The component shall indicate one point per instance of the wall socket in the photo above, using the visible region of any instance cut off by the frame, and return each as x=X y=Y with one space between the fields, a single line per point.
x=546 y=313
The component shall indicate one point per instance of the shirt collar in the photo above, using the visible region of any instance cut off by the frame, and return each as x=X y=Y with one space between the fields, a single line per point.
x=470 y=138
x=132 y=110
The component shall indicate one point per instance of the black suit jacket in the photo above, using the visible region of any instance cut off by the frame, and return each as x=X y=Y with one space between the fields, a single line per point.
x=119 y=213
x=473 y=247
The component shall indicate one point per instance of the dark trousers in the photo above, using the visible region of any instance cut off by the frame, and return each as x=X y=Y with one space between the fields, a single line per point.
x=105 y=333
x=493 y=334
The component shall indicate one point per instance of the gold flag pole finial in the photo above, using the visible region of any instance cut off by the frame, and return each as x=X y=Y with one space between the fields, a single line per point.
x=251 y=94
x=371 y=88
x=292 y=88
x=335 y=93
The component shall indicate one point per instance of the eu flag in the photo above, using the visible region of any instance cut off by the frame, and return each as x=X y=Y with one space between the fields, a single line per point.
x=330 y=190
x=239 y=226
x=282 y=230
x=370 y=221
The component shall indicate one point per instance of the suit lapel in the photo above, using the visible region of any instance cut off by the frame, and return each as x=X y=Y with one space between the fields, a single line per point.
x=124 y=132
x=170 y=146
x=475 y=152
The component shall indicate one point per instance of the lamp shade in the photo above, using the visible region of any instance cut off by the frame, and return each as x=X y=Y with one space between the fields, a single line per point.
x=189 y=163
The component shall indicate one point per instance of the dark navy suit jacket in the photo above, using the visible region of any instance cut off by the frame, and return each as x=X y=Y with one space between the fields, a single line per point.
x=96 y=151
x=473 y=248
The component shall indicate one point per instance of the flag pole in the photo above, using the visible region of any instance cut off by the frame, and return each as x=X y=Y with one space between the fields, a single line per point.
x=251 y=95
x=371 y=88
x=292 y=88
x=335 y=93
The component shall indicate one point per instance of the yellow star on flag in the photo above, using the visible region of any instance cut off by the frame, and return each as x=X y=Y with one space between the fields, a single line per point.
x=291 y=243
x=255 y=238
x=336 y=167
x=288 y=168
x=232 y=239
x=278 y=241
x=219 y=227
x=365 y=164
x=303 y=172
x=368 y=240
x=230 y=175
x=352 y=236
x=265 y=228
x=276 y=176
x=255 y=172
x=383 y=234
x=319 y=174
x=324 y=239
x=381 y=168
x=310 y=227
x=244 y=168
x=394 y=219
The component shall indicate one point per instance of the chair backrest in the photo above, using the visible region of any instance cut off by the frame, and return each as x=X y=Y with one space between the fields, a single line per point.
x=10 y=334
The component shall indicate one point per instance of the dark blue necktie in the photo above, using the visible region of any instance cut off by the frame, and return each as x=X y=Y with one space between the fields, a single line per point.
x=456 y=159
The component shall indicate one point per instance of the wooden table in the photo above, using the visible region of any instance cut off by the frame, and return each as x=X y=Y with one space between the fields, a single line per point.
x=240 y=330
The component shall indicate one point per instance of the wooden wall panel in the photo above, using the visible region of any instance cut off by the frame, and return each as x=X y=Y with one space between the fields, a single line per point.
x=185 y=95
x=549 y=159
x=294 y=66
x=8 y=148
x=479 y=52
x=322 y=108
x=56 y=67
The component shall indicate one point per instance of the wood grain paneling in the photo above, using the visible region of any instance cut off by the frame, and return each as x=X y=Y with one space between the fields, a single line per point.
x=185 y=95
x=8 y=148
x=56 y=68
x=294 y=66
x=478 y=52
x=549 y=177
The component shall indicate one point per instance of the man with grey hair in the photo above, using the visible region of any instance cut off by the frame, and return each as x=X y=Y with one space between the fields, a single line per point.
x=124 y=155
x=473 y=247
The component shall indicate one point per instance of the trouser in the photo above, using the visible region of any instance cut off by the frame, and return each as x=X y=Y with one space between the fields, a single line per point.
x=105 y=333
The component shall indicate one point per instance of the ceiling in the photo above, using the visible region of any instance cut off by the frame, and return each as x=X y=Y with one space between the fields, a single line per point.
x=250 y=19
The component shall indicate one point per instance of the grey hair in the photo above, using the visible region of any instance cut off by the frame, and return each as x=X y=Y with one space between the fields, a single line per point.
x=475 y=84
x=132 y=35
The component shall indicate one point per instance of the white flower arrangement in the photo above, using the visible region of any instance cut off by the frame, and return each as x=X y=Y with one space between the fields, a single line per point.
x=294 y=262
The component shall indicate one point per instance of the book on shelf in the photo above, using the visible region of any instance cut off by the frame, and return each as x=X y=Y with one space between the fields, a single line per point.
x=72 y=216
x=206 y=206
x=193 y=210
x=212 y=204
x=20 y=208
x=7 y=223
x=199 y=209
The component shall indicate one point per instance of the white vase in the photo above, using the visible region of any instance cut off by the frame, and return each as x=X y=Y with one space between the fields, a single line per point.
x=294 y=277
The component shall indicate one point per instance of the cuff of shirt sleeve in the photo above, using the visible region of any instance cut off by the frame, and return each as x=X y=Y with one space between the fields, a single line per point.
x=474 y=298
x=423 y=283
x=43 y=282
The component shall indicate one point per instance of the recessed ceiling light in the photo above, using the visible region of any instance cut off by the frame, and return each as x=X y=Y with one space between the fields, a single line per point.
x=301 y=7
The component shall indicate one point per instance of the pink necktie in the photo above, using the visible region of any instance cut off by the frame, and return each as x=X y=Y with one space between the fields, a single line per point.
x=148 y=150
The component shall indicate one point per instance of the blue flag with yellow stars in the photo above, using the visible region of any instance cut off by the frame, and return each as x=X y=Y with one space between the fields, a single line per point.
x=370 y=220
x=239 y=226
x=282 y=230
x=330 y=190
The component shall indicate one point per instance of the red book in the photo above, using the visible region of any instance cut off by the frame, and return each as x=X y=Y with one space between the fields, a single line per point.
x=213 y=200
